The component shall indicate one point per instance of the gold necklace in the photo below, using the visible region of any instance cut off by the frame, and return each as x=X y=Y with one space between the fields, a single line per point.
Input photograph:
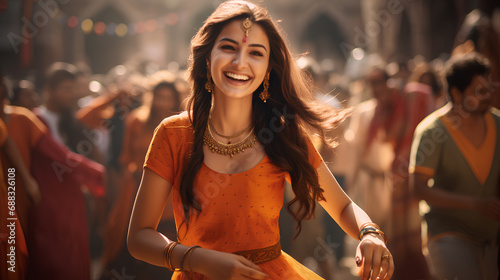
x=228 y=149
x=212 y=127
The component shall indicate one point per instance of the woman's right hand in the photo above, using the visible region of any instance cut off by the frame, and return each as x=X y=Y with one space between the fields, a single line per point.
x=220 y=265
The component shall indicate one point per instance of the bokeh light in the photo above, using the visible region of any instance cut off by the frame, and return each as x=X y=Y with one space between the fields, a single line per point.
x=358 y=53
x=111 y=28
x=121 y=29
x=172 y=19
x=87 y=25
x=139 y=27
x=99 y=28
x=95 y=86
x=72 y=22
x=151 y=25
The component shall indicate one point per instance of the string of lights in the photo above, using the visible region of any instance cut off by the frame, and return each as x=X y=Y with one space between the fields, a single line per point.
x=88 y=25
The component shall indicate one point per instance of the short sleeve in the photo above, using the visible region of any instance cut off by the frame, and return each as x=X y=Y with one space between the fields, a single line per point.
x=3 y=133
x=160 y=157
x=426 y=150
x=36 y=127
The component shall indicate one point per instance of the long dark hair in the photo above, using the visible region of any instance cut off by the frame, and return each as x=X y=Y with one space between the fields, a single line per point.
x=291 y=105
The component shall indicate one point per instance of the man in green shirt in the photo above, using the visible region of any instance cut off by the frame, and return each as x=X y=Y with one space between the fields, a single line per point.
x=455 y=168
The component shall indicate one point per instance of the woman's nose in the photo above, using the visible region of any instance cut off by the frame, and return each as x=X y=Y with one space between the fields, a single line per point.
x=240 y=60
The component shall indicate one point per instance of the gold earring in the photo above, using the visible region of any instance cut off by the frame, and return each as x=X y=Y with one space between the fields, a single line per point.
x=264 y=95
x=209 y=86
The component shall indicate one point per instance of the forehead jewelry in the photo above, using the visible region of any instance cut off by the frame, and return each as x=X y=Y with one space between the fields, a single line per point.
x=246 y=26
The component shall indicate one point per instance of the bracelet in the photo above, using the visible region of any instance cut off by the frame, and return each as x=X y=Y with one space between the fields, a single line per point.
x=370 y=224
x=376 y=231
x=167 y=254
x=186 y=255
x=363 y=231
x=171 y=266
x=371 y=228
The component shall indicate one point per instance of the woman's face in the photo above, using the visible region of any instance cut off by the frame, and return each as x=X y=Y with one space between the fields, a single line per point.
x=238 y=68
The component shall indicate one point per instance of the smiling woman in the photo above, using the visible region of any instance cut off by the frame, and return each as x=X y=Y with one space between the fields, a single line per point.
x=225 y=161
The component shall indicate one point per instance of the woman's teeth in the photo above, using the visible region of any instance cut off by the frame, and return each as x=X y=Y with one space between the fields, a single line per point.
x=237 y=76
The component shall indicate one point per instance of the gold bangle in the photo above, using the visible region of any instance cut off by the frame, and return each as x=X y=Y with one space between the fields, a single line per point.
x=168 y=255
x=171 y=266
x=165 y=255
x=368 y=230
x=363 y=230
x=186 y=255
x=371 y=227
x=372 y=224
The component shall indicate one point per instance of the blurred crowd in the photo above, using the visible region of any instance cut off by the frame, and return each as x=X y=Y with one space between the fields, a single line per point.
x=80 y=141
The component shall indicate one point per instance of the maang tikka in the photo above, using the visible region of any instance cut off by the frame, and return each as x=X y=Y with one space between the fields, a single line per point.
x=246 y=26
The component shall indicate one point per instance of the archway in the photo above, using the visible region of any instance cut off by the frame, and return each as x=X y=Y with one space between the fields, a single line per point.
x=323 y=38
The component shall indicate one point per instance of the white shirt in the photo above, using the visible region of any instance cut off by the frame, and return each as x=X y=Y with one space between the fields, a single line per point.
x=52 y=120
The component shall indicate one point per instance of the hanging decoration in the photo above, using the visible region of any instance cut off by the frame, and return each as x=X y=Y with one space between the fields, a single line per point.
x=88 y=26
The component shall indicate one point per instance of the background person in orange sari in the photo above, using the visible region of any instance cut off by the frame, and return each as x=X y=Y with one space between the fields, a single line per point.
x=139 y=129
x=13 y=250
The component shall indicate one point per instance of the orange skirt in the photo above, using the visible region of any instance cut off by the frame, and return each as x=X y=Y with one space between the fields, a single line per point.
x=283 y=267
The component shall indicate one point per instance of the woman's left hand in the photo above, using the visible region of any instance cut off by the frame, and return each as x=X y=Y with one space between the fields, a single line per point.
x=372 y=256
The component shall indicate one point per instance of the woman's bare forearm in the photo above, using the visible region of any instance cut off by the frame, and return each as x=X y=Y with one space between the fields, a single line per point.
x=351 y=219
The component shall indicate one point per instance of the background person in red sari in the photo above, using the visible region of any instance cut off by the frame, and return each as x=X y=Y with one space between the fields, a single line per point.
x=381 y=130
x=61 y=95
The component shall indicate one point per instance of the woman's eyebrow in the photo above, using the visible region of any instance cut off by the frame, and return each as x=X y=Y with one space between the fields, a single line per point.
x=234 y=42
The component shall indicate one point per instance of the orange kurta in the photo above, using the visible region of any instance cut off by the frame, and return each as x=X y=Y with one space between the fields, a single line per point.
x=13 y=262
x=240 y=211
x=25 y=129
